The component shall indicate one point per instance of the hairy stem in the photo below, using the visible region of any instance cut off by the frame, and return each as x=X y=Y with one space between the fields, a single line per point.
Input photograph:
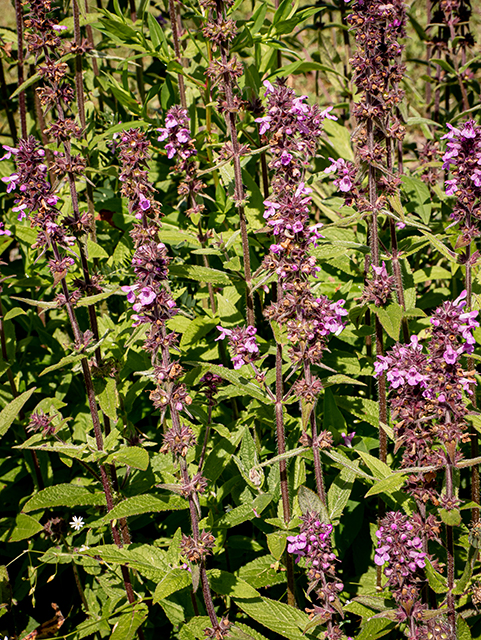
x=21 y=95
x=281 y=449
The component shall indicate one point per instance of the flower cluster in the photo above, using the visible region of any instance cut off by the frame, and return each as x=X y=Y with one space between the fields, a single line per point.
x=197 y=550
x=463 y=160
x=181 y=146
x=243 y=345
x=37 y=198
x=379 y=288
x=378 y=72
x=177 y=132
x=291 y=126
x=309 y=320
x=136 y=187
x=400 y=552
x=427 y=398
x=314 y=544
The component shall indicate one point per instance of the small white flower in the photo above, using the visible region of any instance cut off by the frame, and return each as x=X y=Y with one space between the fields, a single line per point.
x=77 y=523
x=83 y=548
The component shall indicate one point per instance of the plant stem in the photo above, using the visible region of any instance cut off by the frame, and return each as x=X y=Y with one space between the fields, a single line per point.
x=92 y=402
x=175 y=38
x=475 y=483
x=21 y=95
x=375 y=261
x=139 y=69
x=239 y=195
x=79 y=87
x=281 y=449
x=450 y=550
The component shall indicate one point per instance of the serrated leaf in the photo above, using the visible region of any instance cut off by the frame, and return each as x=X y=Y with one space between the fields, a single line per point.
x=125 y=628
x=95 y=251
x=174 y=581
x=25 y=527
x=64 y=495
x=310 y=502
x=339 y=493
x=13 y=313
x=236 y=379
x=353 y=465
x=387 y=485
x=142 y=504
x=63 y=362
x=463 y=632
x=378 y=468
x=375 y=628
x=134 y=457
x=390 y=318
x=201 y=274
x=108 y=399
x=11 y=411
x=437 y=581
x=276 y=542
x=260 y=572
x=452 y=518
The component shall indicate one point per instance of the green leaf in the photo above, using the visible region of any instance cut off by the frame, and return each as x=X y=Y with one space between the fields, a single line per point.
x=11 y=411
x=196 y=330
x=76 y=357
x=276 y=542
x=108 y=399
x=463 y=632
x=174 y=581
x=95 y=251
x=437 y=581
x=125 y=628
x=156 y=33
x=226 y=584
x=343 y=460
x=144 y=558
x=65 y=495
x=339 y=493
x=390 y=318
x=339 y=139
x=13 y=313
x=25 y=527
x=135 y=457
x=387 y=485
x=375 y=628
x=420 y=196
x=362 y=408
x=142 y=504
x=276 y=616
x=237 y=379
x=310 y=502
x=452 y=518
x=462 y=583
x=201 y=274
x=91 y=300
x=260 y=572
x=378 y=468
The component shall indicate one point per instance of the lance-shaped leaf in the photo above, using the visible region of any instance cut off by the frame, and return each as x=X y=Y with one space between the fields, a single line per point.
x=11 y=411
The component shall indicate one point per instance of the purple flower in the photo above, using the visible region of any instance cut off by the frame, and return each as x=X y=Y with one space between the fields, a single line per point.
x=171 y=150
x=11 y=181
x=164 y=134
x=265 y=124
x=9 y=152
x=286 y=157
x=4 y=232
x=348 y=438
x=450 y=355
